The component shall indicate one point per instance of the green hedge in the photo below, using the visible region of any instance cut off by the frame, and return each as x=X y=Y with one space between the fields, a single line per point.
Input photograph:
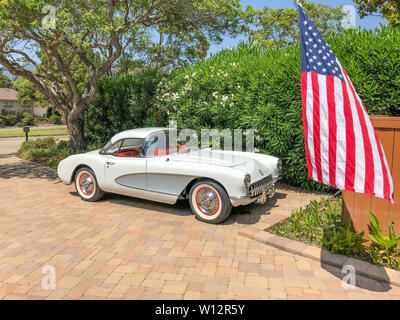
x=46 y=151
x=124 y=102
x=251 y=87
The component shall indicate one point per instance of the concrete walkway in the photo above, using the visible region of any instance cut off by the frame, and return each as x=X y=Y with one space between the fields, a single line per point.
x=11 y=145
x=127 y=248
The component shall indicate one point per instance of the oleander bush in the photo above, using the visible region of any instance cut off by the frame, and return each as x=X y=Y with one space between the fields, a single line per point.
x=123 y=102
x=45 y=151
x=251 y=87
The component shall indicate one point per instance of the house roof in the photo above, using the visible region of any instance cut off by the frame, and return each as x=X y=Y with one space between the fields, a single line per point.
x=8 y=94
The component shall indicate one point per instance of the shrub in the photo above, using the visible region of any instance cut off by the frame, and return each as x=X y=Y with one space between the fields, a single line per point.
x=50 y=111
x=28 y=119
x=54 y=119
x=320 y=224
x=251 y=87
x=3 y=121
x=45 y=151
x=123 y=102
x=12 y=117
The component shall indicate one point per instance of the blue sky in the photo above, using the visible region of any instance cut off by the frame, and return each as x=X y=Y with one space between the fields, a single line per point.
x=368 y=22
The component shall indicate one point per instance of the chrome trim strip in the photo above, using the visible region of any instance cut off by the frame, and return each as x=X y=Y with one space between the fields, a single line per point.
x=168 y=194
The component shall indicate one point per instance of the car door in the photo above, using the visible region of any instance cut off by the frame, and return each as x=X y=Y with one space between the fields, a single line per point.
x=163 y=175
x=125 y=168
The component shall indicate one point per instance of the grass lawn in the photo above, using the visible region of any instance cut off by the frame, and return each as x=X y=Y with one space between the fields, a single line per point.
x=35 y=132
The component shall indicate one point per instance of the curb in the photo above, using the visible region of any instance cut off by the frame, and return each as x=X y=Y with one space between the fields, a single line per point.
x=324 y=256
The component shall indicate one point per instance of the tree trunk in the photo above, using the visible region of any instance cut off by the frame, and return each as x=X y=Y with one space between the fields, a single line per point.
x=77 y=136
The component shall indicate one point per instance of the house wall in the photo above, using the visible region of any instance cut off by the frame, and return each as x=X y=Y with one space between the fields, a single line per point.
x=11 y=106
x=37 y=111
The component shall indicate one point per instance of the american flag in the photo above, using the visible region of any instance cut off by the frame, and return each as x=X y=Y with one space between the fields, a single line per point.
x=342 y=147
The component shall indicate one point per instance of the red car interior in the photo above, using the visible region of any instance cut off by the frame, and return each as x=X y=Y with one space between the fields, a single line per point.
x=158 y=152
x=129 y=153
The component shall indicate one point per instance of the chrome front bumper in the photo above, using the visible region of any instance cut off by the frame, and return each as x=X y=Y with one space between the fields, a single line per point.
x=268 y=191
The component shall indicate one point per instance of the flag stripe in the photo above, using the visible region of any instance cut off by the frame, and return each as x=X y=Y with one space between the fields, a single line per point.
x=310 y=122
x=369 y=169
x=350 y=141
x=341 y=142
x=305 y=125
x=330 y=85
x=324 y=128
x=378 y=172
x=316 y=125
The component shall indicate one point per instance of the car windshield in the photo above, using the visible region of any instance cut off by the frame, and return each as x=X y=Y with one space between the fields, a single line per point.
x=162 y=143
x=107 y=145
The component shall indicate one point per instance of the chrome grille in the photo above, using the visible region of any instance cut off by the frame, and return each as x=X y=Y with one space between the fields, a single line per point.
x=259 y=186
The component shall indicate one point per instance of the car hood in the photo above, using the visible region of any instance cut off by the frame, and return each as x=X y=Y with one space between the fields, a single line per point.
x=225 y=159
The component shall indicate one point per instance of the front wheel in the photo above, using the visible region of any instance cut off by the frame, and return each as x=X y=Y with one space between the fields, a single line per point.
x=86 y=185
x=209 y=202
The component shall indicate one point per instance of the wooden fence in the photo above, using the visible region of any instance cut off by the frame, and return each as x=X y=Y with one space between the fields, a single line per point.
x=356 y=205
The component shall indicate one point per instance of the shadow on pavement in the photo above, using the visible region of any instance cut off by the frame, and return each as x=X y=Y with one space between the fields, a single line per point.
x=247 y=215
x=181 y=208
x=252 y=213
x=27 y=170
x=5 y=156
x=360 y=281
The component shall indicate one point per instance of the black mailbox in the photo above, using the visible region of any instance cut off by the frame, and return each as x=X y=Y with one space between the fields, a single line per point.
x=26 y=130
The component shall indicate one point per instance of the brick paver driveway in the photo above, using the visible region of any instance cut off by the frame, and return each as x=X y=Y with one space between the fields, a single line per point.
x=133 y=249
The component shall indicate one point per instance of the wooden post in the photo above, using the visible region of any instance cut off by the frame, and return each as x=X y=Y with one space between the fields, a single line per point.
x=357 y=205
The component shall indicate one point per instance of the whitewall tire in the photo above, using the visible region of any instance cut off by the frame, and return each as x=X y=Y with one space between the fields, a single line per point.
x=86 y=185
x=209 y=201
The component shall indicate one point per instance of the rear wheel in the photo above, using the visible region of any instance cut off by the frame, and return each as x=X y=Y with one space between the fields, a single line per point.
x=209 y=202
x=86 y=185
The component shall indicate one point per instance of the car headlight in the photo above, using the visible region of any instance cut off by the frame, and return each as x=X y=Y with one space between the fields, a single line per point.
x=247 y=180
x=279 y=165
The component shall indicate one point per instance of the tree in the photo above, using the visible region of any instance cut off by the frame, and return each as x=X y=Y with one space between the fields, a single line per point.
x=280 y=26
x=5 y=81
x=390 y=9
x=93 y=34
x=28 y=95
x=169 y=48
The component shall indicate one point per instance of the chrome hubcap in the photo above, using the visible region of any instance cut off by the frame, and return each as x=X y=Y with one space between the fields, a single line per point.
x=207 y=201
x=87 y=184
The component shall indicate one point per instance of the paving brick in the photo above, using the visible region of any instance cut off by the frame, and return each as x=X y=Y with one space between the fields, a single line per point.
x=98 y=291
x=68 y=282
x=151 y=283
x=128 y=248
x=174 y=287
x=312 y=252
x=256 y=282
x=333 y=259
x=262 y=236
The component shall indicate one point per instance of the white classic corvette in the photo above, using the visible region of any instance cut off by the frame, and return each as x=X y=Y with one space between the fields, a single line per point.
x=147 y=163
